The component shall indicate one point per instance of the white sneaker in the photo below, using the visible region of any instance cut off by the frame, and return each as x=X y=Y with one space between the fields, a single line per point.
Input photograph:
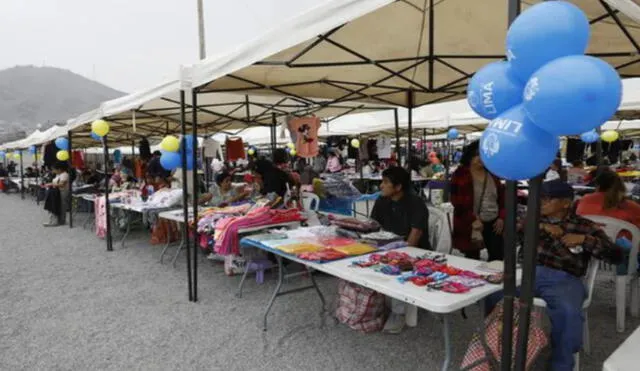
x=395 y=324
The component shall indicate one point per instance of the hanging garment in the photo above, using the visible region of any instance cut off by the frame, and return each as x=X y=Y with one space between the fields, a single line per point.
x=293 y=133
x=235 y=148
x=138 y=168
x=212 y=148
x=100 y=216
x=575 y=150
x=306 y=129
x=384 y=146
x=77 y=159
x=145 y=149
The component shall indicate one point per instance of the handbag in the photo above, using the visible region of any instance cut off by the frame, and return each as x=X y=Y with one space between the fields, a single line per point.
x=477 y=240
x=485 y=349
x=360 y=308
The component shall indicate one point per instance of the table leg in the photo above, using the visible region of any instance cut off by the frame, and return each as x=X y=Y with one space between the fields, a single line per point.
x=447 y=342
x=127 y=213
x=315 y=285
x=275 y=292
x=244 y=277
x=166 y=245
x=175 y=257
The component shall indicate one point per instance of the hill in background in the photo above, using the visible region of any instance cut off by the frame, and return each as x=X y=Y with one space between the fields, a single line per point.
x=32 y=95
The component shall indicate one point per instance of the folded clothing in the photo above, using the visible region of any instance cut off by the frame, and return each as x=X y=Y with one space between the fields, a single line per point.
x=355 y=249
x=324 y=255
x=299 y=248
x=352 y=224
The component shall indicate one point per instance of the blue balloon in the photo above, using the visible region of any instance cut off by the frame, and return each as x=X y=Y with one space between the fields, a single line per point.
x=189 y=139
x=572 y=95
x=96 y=136
x=492 y=90
x=170 y=160
x=544 y=32
x=513 y=148
x=3 y=153
x=62 y=144
x=590 y=136
x=190 y=162
x=453 y=134
x=32 y=150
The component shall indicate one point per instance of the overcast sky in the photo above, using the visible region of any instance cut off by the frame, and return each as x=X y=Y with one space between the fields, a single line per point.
x=129 y=44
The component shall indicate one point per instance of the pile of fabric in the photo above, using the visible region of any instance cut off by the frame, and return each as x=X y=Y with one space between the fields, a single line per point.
x=226 y=230
x=429 y=270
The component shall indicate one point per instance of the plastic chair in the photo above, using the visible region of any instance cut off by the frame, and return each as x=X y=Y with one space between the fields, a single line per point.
x=612 y=228
x=310 y=201
x=440 y=227
x=589 y=281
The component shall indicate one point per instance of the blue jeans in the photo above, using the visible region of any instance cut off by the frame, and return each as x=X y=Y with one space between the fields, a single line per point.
x=564 y=294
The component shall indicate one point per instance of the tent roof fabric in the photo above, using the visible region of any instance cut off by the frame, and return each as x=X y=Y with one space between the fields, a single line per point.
x=379 y=51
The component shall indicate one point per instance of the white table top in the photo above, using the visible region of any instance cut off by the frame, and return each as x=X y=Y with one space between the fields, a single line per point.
x=433 y=301
x=625 y=358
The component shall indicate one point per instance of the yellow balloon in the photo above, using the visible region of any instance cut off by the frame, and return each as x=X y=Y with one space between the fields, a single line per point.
x=100 y=127
x=62 y=155
x=170 y=144
x=293 y=152
x=610 y=136
x=16 y=156
x=355 y=143
x=291 y=145
x=251 y=152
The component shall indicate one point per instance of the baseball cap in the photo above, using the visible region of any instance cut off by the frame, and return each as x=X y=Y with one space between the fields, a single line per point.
x=557 y=189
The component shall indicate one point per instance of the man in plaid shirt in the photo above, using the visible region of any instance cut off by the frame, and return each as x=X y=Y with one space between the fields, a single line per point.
x=566 y=244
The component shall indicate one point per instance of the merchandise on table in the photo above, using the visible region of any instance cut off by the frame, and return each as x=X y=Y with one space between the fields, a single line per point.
x=352 y=224
x=324 y=255
x=429 y=270
x=355 y=249
x=299 y=248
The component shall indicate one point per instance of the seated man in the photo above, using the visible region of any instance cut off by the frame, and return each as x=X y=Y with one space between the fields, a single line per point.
x=567 y=242
x=400 y=211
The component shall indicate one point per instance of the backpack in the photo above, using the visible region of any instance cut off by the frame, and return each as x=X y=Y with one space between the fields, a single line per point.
x=484 y=352
x=360 y=308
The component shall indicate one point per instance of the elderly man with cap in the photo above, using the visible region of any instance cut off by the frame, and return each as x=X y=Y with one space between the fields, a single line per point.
x=566 y=244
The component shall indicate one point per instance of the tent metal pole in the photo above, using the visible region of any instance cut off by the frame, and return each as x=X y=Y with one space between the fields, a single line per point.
x=531 y=236
x=105 y=152
x=21 y=176
x=70 y=183
x=194 y=129
x=274 y=122
x=397 y=129
x=185 y=191
x=424 y=143
x=35 y=161
x=509 y=235
x=410 y=129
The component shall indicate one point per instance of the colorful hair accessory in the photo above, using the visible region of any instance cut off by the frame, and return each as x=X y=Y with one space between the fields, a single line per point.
x=467 y=281
x=420 y=280
x=389 y=269
x=455 y=288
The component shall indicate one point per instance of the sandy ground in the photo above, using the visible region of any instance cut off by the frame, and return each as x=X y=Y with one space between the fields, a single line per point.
x=68 y=304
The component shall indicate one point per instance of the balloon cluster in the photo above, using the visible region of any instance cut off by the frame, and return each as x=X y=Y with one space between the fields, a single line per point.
x=547 y=88
x=291 y=149
x=171 y=157
x=63 y=149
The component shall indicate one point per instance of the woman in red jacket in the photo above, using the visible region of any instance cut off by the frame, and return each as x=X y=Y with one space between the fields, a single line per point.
x=478 y=198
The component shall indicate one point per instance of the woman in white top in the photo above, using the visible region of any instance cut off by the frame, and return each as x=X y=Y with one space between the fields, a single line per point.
x=61 y=182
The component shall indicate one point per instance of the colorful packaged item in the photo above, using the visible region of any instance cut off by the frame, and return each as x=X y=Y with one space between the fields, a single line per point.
x=356 y=249
x=299 y=248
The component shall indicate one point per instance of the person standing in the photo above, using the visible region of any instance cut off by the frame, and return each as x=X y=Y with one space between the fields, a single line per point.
x=478 y=199
x=57 y=200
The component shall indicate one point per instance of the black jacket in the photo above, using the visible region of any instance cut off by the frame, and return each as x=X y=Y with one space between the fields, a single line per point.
x=53 y=201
